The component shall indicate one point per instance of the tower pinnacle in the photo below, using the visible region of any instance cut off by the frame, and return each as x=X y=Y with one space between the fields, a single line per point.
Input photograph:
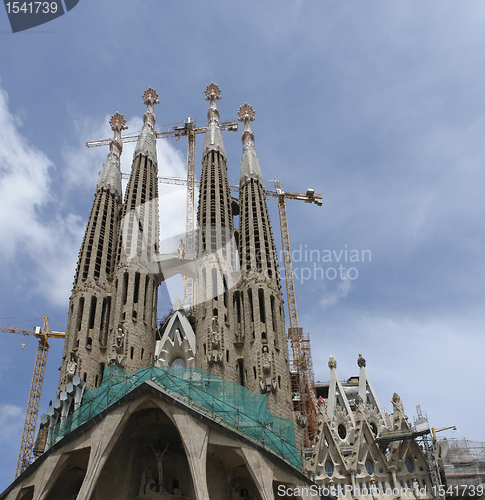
x=110 y=176
x=213 y=137
x=147 y=141
x=118 y=124
x=249 y=163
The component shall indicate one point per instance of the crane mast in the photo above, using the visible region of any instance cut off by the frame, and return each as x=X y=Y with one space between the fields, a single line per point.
x=301 y=365
x=32 y=412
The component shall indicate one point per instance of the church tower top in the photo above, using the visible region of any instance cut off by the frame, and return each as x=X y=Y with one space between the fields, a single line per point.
x=249 y=163
x=110 y=176
x=147 y=141
x=213 y=137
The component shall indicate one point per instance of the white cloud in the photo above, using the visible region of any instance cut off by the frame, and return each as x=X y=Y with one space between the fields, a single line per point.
x=27 y=226
x=11 y=421
x=32 y=224
x=330 y=298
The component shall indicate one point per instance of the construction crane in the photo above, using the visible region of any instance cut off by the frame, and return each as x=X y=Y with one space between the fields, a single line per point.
x=189 y=129
x=28 y=434
x=301 y=365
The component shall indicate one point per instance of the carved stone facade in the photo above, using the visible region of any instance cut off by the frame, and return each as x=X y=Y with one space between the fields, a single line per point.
x=348 y=460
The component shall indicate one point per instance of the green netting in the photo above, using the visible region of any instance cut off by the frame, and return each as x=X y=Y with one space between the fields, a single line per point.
x=228 y=403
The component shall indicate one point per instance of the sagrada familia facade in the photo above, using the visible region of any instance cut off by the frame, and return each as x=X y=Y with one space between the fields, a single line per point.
x=200 y=407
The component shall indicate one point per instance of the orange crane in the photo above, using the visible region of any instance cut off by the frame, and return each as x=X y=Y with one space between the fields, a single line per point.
x=28 y=434
x=179 y=129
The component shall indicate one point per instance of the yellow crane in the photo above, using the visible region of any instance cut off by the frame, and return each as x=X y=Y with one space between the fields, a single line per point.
x=187 y=128
x=301 y=365
x=28 y=434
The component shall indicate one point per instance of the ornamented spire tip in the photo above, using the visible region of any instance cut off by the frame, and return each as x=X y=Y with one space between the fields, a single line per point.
x=212 y=91
x=246 y=112
x=117 y=122
x=361 y=361
x=150 y=97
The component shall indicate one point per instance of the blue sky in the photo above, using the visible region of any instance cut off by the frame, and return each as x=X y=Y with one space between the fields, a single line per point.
x=377 y=105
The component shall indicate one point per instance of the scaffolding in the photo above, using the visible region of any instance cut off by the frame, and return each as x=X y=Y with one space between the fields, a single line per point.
x=226 y=403
x=425 y=439
x=463 y=465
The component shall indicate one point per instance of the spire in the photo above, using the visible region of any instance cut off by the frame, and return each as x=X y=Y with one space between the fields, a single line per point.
x=249 y=163
x=213 y=137
x=147 y=141
x=110 y=175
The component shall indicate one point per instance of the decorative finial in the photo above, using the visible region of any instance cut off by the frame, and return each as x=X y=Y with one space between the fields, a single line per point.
x=212 y=92
x=246 y=113
x=332 y=363
x=361 y=361
x=118 y=124
x=150 y=98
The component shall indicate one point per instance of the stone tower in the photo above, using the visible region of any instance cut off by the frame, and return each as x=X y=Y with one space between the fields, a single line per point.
x=259 y=305
x=91 y=299
x=133 y=323
x=215 y=254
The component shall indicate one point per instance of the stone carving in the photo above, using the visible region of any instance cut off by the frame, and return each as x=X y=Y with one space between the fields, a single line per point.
x=399 y=418
x=361 y=361
x=181 y=250
x=118 y=346
x=159 y=455
x=359 y=403
x=267 y=383
x=148 y=484
x=266 y=360
x=216 y=355
x=71 y=366
x=332 y=363
x=416 y=488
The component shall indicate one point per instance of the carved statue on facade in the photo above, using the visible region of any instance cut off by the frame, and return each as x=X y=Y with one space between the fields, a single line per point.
x=215 y=355
x=148 y=485
x=118 y=345
x=267 y=383
x=159 y=455
x=71 y=366
x=181 y=250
